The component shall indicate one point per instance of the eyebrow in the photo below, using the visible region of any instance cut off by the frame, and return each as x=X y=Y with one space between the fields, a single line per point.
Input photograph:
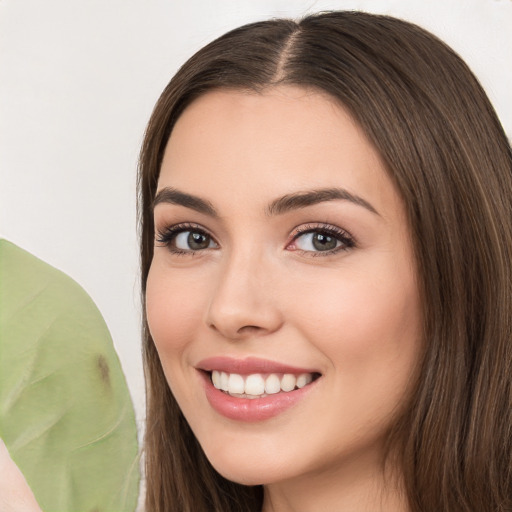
x=279 y=206
x=173 y=196
x=311 y=197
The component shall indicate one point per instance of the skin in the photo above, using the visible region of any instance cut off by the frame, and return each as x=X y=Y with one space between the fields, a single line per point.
x=15 y=494
x=261 y=289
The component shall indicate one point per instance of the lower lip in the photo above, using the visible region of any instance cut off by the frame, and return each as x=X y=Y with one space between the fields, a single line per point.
x=252 y=409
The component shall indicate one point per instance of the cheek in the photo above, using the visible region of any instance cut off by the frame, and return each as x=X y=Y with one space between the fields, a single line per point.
x=365 y=323
x=369 y=333
x=172 y=310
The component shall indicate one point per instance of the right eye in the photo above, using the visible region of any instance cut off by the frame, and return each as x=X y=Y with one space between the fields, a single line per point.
x=186 y=239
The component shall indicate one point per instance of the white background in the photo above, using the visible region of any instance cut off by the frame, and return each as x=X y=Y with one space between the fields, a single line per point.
x=78 y=80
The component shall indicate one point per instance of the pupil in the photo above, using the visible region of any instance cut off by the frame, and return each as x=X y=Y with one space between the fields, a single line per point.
x=323 y=242
x=198 y=241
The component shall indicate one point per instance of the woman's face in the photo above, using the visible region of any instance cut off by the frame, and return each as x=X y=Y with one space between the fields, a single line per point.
x=282 y=256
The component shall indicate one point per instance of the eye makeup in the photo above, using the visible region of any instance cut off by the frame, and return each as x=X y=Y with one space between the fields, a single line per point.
x=311 y=240
x=185 y=239
x=320 y=240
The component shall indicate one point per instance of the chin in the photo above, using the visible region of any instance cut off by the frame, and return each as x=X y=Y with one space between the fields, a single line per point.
x=248 y=470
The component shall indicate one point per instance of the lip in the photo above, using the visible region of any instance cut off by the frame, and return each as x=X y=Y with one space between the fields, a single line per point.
x=248 y=366
x=256 y=409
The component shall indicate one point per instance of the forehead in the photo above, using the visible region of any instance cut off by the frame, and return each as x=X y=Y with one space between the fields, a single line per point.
x=263 y=145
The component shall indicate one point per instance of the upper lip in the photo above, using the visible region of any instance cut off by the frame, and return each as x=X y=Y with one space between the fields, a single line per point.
x=248 y=366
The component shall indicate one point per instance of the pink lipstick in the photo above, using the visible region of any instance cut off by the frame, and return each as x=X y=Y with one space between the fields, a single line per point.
x=254 y=389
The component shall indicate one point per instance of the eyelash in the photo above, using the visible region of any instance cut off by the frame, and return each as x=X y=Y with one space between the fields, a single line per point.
x=346 y=239
x=167 y=237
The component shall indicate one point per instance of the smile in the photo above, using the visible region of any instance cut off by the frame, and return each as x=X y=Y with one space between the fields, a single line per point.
x=252 y=389
x=259 y=385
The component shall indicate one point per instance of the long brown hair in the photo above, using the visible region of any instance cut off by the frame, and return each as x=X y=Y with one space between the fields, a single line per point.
x=446 y=151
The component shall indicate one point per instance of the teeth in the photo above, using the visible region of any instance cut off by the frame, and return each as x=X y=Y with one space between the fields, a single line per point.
x=288 y=382
x=235 y=383
x=254 y=385
x=272 y=384
x=224 y=380
x=257 y=385
x=216 y=379
x=303 y=380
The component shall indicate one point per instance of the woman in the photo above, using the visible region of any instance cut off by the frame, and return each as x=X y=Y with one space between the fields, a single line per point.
x=326 y=245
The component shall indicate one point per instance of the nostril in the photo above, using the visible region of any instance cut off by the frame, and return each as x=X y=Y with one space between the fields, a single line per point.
x=249 y=329
x=241 y=332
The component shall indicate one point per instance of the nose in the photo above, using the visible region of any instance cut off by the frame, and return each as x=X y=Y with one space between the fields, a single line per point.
x=244 y=303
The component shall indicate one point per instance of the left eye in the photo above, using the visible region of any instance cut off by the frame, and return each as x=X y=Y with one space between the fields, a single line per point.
x=317 y=241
